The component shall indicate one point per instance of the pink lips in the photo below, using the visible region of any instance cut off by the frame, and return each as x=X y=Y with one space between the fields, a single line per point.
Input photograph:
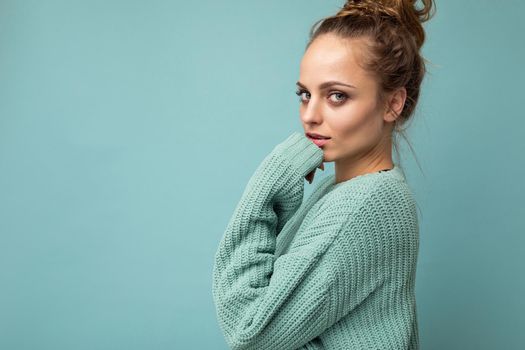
x=318 y=142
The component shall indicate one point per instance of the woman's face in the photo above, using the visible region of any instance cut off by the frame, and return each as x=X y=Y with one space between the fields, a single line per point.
x=350 y=116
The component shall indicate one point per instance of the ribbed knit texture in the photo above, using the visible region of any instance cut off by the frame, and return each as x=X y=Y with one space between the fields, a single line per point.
x=336 y=271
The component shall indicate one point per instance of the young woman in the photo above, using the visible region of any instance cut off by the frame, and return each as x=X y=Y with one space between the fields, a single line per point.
x=336 y=271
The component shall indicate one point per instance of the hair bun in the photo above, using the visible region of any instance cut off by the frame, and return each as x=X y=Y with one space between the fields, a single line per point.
x=370 y=8
x=401 y=12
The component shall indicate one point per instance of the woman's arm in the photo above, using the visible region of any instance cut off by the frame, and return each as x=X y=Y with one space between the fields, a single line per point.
x=264 y=302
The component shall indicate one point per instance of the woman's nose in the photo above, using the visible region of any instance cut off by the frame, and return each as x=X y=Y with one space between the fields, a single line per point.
x=312 y=113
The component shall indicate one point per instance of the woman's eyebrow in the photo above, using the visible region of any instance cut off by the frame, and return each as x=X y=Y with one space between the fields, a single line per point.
x=327 y=84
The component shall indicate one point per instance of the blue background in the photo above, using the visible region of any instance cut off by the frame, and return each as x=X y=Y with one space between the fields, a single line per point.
x=128 y=130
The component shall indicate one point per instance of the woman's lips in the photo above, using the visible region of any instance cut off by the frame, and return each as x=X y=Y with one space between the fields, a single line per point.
x=318 y=142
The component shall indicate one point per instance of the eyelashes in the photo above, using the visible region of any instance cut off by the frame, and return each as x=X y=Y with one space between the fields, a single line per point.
x=299 y=92
x=338 y=101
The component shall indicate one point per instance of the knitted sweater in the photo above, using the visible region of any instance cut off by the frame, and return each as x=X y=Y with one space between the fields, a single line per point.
x=336 y=271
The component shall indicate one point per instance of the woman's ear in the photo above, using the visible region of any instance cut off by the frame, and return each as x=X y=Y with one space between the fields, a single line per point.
x=396 y=102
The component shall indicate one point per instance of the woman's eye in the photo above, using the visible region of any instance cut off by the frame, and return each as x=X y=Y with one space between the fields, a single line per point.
x=341 y=98
x=300 y=93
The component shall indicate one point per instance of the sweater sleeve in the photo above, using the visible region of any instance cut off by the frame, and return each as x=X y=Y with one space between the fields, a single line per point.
x=264 y=302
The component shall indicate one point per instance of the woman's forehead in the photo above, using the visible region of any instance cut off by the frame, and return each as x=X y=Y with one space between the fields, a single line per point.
x=332 y=55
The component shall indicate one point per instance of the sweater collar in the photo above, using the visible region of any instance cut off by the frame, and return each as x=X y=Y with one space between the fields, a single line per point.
x=396 y=172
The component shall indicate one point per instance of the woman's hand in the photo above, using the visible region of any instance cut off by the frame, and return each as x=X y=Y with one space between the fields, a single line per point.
x=310 y=176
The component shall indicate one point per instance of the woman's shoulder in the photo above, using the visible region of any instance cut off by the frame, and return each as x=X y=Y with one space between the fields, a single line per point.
x=382 y=190
x=382 y=206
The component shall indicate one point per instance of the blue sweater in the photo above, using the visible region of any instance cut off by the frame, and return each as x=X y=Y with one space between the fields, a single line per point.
x=336 y=271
